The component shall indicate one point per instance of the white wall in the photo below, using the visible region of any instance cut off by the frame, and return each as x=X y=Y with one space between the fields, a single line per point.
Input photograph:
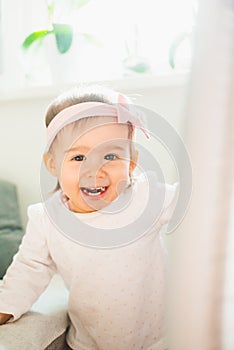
x=22 y=133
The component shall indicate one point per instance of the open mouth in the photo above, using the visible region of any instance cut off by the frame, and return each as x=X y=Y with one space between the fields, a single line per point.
x=94 y=191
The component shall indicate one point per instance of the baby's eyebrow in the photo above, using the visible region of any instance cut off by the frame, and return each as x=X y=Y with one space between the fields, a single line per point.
x=80 y=148
x=119 y=148
x=105 y=148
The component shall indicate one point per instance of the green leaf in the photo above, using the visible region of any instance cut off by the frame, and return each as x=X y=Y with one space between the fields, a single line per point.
x=35 y=36
x=140 y=67
x=50 y=8
x=63 y=35
x=80 y=3
x=175 y=45
x=92 y=39
x=70 y=5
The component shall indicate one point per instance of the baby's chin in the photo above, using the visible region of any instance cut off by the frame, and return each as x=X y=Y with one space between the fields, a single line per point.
x=87 y=205
x=97 y=203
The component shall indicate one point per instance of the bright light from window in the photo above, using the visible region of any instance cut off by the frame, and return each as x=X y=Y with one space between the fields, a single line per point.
x=134 y=38
x=129 y=27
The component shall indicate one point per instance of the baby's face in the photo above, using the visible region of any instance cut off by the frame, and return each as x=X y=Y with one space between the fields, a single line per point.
x=93 y=169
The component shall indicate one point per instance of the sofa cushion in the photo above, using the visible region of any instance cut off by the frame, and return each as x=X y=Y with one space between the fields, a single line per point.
x=11 y=231
x=44 y=325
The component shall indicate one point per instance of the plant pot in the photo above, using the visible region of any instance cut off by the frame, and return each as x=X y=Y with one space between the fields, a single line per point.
x=64 y=68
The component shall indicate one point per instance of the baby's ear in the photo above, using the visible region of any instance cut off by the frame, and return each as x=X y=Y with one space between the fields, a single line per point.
x=49 y=163
x=133 y=161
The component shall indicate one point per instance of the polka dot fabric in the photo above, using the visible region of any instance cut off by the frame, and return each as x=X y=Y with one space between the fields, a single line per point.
x=116 y=296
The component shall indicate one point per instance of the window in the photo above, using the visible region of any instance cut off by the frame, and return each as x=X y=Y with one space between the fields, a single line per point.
x=122 y=38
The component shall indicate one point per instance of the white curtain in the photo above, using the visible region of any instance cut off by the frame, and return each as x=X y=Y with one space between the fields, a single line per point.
x=200 y=296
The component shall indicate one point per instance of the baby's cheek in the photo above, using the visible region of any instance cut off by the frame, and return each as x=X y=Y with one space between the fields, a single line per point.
x=69 y=175
x=122 y=180
x=120 y=186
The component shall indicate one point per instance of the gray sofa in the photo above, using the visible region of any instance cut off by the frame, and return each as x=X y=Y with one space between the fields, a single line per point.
x=44 y=326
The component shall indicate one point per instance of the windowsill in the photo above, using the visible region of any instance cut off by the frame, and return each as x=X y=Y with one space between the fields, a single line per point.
x=125 y=84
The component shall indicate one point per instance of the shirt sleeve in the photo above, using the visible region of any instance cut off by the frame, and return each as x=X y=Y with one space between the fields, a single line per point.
x=31 y=270
x=170 y=202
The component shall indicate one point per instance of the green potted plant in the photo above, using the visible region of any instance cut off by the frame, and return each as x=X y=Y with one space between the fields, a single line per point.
x=63 y=32
x=58 y=45
x=134 y=63
x=176 y=44
x=182 y=38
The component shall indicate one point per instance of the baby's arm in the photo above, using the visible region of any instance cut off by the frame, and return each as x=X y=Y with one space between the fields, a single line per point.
x=30 y=272
x=4 y=318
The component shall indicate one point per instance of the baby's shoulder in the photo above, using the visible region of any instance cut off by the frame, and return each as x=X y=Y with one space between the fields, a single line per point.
x=158 y=195
x=36 y=211
x=39 y=212
x=170 y=194
x=159 y=189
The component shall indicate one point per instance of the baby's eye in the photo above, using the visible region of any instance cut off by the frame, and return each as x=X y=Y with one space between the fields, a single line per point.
x=79 y=158
x=111 y=156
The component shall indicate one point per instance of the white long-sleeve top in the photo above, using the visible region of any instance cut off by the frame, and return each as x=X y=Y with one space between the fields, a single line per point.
x=116 y=296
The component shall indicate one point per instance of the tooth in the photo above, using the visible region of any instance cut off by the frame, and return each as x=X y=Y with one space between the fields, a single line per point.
x=93 y=194
x=93 y=191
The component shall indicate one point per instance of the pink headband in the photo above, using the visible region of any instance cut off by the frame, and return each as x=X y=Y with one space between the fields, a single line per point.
x=92 y=109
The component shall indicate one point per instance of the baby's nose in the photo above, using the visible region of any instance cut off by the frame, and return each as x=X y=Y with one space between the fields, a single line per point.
x=92 y=168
